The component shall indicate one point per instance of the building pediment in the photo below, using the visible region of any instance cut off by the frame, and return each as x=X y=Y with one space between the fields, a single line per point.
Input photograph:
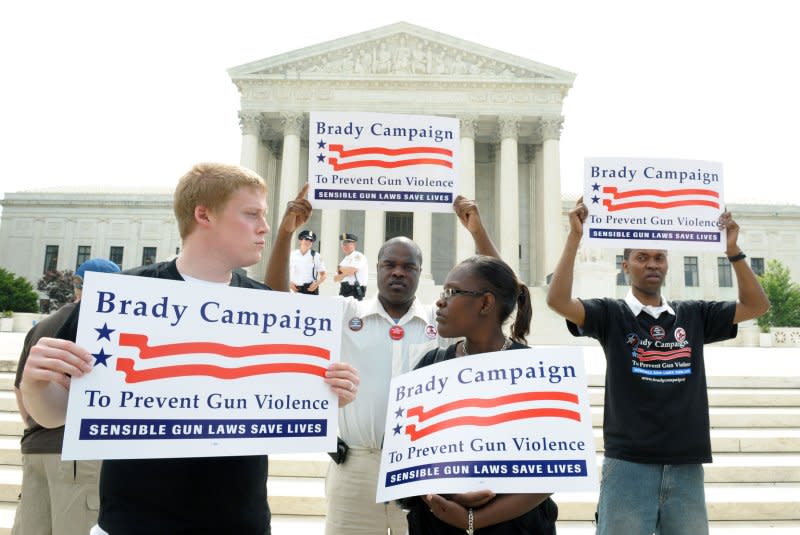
x=401 y=51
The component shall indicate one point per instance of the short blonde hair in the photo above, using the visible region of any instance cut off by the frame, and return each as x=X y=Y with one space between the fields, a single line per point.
x=209 y=185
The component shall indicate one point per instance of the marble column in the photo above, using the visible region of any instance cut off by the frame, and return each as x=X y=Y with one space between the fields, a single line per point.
x=250 y=123
x=538 y=230
x=507 y=193
x=329 y=248
x=374 y=234
x=422 y=237
x=550 y=203
x=290 y=160
x=465 y=246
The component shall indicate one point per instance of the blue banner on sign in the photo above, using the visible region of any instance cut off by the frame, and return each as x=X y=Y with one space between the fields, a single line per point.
x=659 y=235
x=121 y=429
x=385 y=196
x=533 y=468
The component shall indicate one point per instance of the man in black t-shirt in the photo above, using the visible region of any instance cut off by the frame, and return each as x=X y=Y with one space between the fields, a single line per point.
x=655 y=421
x=220 y=211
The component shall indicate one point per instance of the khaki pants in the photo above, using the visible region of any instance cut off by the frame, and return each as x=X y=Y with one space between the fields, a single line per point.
x=350 y=490
x=58 y=497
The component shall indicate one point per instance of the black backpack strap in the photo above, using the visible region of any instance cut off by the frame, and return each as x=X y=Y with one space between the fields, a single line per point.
x=441 y=353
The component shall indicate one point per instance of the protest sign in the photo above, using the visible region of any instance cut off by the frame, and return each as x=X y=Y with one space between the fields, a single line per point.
x=378 y=161
x=653 y=204
x=193 y=369
x=510 y=421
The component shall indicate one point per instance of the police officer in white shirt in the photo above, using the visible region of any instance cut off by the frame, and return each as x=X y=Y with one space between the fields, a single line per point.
x=307 y=269
x=353 y=270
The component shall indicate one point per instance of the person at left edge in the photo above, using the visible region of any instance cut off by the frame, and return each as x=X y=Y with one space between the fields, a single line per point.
x=221 y=217
x=307 y=269
x=58 y=497
x=383 y=336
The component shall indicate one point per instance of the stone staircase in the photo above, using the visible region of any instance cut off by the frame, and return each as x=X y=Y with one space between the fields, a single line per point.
x=752 y=487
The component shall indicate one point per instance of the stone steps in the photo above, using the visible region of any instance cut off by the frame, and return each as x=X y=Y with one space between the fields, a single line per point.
x=752 y=487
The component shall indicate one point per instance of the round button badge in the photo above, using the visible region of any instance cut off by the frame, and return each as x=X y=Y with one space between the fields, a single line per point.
x=396 y=332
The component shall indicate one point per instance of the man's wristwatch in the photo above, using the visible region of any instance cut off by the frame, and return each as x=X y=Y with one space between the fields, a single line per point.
x=470 y=530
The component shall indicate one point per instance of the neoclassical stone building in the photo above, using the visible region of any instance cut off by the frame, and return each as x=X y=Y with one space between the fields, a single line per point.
x=510 y=114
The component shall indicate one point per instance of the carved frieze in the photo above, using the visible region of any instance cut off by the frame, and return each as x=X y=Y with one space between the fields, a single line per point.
x=403 y=54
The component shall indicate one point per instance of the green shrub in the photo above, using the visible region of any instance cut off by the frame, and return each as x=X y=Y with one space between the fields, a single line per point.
x=17 y=294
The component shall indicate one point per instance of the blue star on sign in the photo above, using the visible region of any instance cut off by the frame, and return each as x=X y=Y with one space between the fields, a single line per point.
x=320 y=144
x=104 y=332
x=397 y=429
x=595 y=199
x=320 y=158
x=101 y=358
x=399 y=412
x=595 y=187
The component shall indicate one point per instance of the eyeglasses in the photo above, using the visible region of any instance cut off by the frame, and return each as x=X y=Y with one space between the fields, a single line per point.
x=447 y=293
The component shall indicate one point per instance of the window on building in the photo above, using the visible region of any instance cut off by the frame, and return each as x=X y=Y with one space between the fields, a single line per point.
x=724 y=272
x=691 y=273
x=84 y=254
x=148 y=255
x=50 y=258
x=757 y=265
x=115 y=255
x=399 y=224
x=622 y=278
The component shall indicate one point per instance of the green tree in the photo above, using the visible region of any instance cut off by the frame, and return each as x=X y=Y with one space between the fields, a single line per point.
x=784 y=297
x=58 y=287
x=17 y=294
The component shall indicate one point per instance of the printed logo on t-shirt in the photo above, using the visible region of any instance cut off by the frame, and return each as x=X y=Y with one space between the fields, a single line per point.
x=658 y=359
x=657 y=332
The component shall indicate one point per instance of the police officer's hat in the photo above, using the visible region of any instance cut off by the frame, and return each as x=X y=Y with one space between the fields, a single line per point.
x=307 y=235
x=347 y=237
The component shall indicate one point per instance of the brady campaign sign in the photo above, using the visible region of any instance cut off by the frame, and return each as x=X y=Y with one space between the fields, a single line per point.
x=510 y=421
x=193 y=369
x=653 y=204
x=374 y=161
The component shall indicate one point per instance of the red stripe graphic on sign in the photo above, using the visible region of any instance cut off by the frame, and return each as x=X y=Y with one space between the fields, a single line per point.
x=140 y=342
x=423 y=415
x=343 y=153
x=489 y=420
x=688 y=199
x=385 y=151
x=208 y=370
x=165 y=351
x=484 y=421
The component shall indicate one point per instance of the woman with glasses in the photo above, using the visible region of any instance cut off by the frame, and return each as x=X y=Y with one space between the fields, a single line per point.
x=479 y=295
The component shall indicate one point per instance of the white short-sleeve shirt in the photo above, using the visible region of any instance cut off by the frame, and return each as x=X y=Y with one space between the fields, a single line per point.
x=357 y=260
x=302 y=266
x=367 y=345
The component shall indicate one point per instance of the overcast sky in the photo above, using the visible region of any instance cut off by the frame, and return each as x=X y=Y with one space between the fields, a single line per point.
x=125 y=94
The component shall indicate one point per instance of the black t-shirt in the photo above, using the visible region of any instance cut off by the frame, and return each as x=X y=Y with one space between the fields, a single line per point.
x=538 y=521
x=656 y=401
x=197 y=496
